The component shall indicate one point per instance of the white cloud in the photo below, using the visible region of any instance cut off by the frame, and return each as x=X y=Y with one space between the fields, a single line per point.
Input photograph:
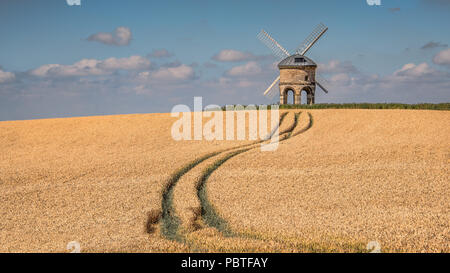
x=160 y=53
x=335 y=66
x=130 y=63
x=443 y=57
x=142 y=90
x=44 y=70
x=342 y=79
x=92 y=67
x=120 y=37
x=432 y=45
x=230 y=55
x=83 y=67
x=412 y=70
x=412 y=83
x=177 y=73
x=410 y=74
x=6 y=76
x=248 y=69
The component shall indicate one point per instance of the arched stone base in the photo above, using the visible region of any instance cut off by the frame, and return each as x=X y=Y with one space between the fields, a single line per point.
x=310 y=90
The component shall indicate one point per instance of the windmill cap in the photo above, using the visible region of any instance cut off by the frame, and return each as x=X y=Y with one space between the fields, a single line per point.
x=295 y=61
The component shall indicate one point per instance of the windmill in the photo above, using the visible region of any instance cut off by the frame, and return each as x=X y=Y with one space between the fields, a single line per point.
x=297 y=72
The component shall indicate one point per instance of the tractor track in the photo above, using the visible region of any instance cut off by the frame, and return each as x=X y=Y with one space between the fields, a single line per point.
x=208 y=213
x=212 y=218
x=170 y=222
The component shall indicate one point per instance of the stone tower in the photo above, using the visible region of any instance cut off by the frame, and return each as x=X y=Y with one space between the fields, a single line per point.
x=297 y=74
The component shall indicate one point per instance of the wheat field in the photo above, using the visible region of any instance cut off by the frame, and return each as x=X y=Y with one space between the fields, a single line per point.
x=356 y=176
x=339 y=179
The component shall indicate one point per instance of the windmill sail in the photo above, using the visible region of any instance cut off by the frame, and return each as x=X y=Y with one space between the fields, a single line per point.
x=321 y=82
x=311 y=39
x=279 y=52
x=270 y=42
x=321 y=87
x=269 y=92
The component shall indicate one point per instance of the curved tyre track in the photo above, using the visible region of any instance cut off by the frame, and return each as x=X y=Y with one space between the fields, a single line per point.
x=227 y=240
x=170 y=222
x=210 y=216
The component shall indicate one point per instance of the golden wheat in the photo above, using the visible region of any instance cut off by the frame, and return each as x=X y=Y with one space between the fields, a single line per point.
x=92 y=180
x=356 y=176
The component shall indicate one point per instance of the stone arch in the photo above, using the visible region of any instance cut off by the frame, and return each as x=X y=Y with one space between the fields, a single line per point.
x=309 y=94
x=297 y=90
x=285 y=93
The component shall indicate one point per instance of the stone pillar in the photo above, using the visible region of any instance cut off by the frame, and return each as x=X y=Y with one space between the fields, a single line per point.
x=297 y=98
x=282 y=96
x=313 y=95
x=308 y=97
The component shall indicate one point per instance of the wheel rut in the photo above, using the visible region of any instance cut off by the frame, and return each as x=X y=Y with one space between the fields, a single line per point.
x=212 y=218
x=186 y=208
x=167 y=217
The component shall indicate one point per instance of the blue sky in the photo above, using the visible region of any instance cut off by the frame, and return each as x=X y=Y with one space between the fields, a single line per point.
x=394 y=52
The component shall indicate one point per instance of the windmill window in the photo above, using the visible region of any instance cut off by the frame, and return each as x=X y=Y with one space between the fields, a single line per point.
x=299 y=60
x=306 y=78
